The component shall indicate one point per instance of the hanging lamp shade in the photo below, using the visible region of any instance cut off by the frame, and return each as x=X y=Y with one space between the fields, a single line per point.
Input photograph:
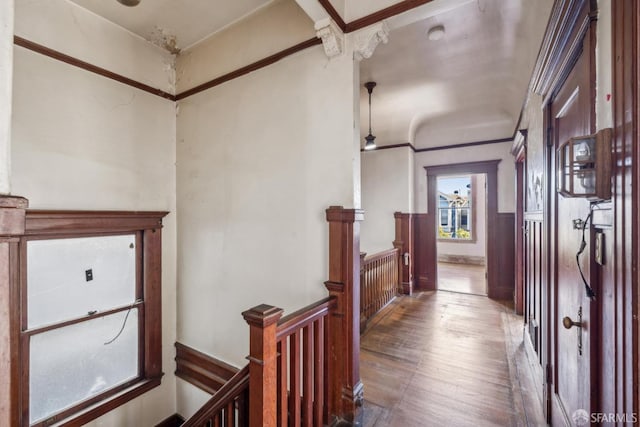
x=370 y=140
x=129 y=3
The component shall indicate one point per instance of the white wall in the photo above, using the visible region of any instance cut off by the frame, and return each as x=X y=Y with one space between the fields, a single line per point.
x=478 y=247
x=81 y=141
x=6 y=73
x=271 y=29
x=506 y=170
x=387 y=182
x=260 y=158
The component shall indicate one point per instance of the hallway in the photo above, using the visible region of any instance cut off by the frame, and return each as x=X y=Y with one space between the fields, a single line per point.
x=443 y=358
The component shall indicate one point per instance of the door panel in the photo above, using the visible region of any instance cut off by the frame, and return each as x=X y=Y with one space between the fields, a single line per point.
x=570 y=115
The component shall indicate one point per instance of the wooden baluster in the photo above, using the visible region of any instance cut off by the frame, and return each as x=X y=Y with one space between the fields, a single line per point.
x=282 y=383
x=217 y=421
x=345 y=387
x=243 y=409
x=262 y=321
x=318 y=372
x=307 y=376
x=294 y=379
x=230 y=414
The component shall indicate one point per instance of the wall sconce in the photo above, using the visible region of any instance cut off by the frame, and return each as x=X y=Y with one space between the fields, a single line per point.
x=584 y=166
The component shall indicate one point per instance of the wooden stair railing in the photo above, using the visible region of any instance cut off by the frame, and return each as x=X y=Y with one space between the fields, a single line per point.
x=228 y=407
x=303 y=368
x=379 y=282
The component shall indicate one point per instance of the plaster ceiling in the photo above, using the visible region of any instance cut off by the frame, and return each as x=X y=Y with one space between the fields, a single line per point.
x=174 y=24
x=468 y=86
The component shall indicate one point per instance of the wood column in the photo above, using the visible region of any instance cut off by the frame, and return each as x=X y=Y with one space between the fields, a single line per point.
x=345 y=393
x=404 y=243
x=12 y=224
x=263 y=357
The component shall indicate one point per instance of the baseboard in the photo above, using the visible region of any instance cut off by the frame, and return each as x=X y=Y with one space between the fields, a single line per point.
x=175 y=420
x=202 y=370
x=461 y=259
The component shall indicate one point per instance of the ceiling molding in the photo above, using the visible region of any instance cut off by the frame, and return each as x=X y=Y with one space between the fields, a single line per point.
x=333 y=13
x=372 y=18
x=250 y=68
x=59 y=56
x=385 y=13
x=465 y=144
x=440 y=147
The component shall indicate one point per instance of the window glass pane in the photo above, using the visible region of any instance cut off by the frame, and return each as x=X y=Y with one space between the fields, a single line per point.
x=454 y=199
x=67 y=278
x=75 y=363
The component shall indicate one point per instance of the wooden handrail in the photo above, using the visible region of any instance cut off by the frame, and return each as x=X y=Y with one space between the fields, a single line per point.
x=303 y=368
x=304 y=316
x=369 y=259
x=229 y=394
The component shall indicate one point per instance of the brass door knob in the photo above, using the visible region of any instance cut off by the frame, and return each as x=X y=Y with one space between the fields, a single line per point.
x=568 y=323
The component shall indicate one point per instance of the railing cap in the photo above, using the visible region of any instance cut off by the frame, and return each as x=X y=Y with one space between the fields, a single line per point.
x=262 y=315
x=340 y=214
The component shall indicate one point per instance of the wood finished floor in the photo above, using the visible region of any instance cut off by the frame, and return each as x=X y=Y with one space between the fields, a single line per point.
x=465 y=278
x=447 y=359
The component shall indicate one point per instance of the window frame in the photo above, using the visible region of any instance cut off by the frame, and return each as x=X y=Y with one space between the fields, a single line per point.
x=146 y=226
x=471 y=209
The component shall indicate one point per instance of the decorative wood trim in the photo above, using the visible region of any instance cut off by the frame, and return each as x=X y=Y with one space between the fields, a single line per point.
x=440 y=147
x=568 y=23
x=463 y=145
x=333 y=13
x=382 y=14
x=500 y=230
x=620 y=292
x=250 y=68
x=175 y=420
x=51 y=222
x=404 y=243
x=203 y=371
x=12 y=213
x=59 y=56
x=148 y=228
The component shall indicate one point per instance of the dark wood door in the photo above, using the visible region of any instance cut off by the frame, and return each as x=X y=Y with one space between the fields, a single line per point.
x=570 y=114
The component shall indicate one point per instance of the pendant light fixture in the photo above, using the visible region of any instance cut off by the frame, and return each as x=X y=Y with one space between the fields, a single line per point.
x=371 y=140
x=129 y=3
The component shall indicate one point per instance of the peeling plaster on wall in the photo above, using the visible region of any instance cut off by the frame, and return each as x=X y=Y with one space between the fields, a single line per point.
x=164 y=39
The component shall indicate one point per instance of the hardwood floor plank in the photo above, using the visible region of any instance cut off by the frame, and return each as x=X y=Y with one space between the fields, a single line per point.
x=447 y=359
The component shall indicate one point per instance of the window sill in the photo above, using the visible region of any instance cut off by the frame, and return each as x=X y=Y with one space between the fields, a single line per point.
x=110 y=403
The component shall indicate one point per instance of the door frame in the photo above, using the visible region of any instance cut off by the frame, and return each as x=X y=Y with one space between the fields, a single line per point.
x=499 y=284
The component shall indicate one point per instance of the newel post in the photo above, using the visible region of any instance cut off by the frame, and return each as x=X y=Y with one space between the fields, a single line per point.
x=345 y=390
x=12 y=226
x=263 y=323
x=404 y=243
